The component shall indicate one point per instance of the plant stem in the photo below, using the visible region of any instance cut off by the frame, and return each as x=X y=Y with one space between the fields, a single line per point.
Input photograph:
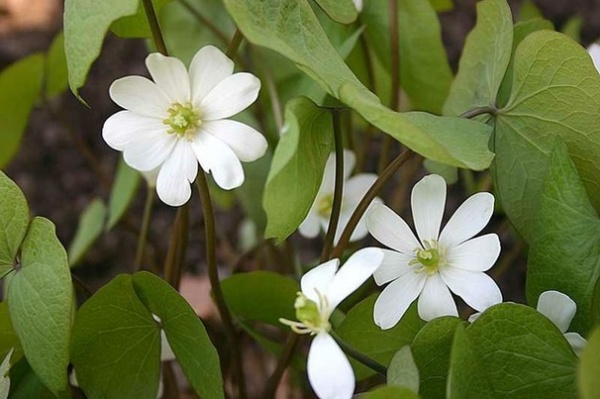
x=141 y=244
x=236 y=40
x=359 y=356
x=157 y=37
x=367 y=199
x=213 y=276
x=338 y=189
x=472 y=113
x=282 y=363
x=177 y=247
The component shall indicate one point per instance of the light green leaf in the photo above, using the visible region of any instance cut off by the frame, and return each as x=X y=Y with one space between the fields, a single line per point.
x=297 y=167
x=390 y=392
x=8 y=337
x=91 y=225
x=449 y=173
x=187 y=336
x=116 y=344
x=556 y=92
x=342 y=11
x=137 y=25
x=86 y=23
x=251 y=192
x=565 y=247
x=484 y=59
x=40 y=302
x=511 y=350
x=14 y=219
x=23 y=81
x=122 y=193
x=359 y=330
x=403 y=371
x=56 y=78
x=572 y=28
x=589 y=368
x=529 y=11
x=272 y=296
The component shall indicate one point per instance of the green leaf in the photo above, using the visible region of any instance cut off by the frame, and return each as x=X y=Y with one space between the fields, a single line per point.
x=556 y=92
x=122 y=193
x=442 y=5
x=403 y=371
x=342 y=11
x=484 y=59
x=449 y=173
x=431 y=352
x=185 y=332
x=511 y=350
x=14 y=219
x=297 y=168
x=25 y=384
x=572 y=28
x=261 y=296
x=589 y=368
x=251 y=192
x=91 y=225
x=137 y=25
x=116 y=344
x=56 y=77
x=565 y=249
x=21 y=85
x=8 y=336
x=390 y=392
x=86 y=23
x=40 y=302
x=359 y=330
x=529 y=11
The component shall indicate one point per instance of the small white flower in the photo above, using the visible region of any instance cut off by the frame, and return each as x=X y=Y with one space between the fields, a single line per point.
x=355 y=188
x=438 y=263
x=560 y=309
x=323 y=289
x=594 y=52
x=179 y=120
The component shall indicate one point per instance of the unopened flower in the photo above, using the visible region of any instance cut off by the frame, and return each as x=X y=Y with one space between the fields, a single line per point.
x=355 y=188
x=179 y=120
x=560 y=309
x=594 y=52
x=323 y=289
x=435 y=264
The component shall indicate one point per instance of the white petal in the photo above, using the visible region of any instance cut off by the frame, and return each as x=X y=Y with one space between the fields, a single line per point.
x=477 y=289
x=357 y=269
x=469 y=219
x=318 y=279
x=359 y=5
x=394 y=265
x=170 y=75
x=149 y=152
x=576 y=341
x=476 y=255
x=166 y=353
x=356 y=187
x=329 y=371
x=232 y=95
x=311 y=225
x=428 y=200
x=395 y=299
x=140 y=95
x=217 y=158
x=436 y=300
x=126 y=127
x=247 y=144
x=208 y=68
x=594 y=51
x=390 y=229
x=176 y=174
x=558 y=307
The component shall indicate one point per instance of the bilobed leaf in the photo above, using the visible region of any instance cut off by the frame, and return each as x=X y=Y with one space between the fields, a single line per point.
x=297 y=167
x=360 y=331
x=484 y=59
x=40 y=302
x=137 y=25
x=390 y=392
x=86 y=23
x=403 y=371
x=511 y=350
x=565 y=247
x=14 y=219
x=91 y=225
x=555 y=92
x=589 y=368
x=122 y=193
x=185 y=332
x=116 y=344
x=21 y=85
x=342 y=11
x=56 y=75
x=261 y=296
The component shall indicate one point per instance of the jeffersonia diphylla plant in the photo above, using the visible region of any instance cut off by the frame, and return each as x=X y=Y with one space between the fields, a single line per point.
x=318 y=133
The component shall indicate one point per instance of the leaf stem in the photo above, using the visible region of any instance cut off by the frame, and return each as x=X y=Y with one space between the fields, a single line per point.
x=157 y=37
x=141 y=244
x=236 y=40
x=472 y=113
x=359 y=356
x=367 y=199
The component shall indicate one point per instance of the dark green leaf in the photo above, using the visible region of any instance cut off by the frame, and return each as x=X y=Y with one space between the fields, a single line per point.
x=14 y=219
x=25 y=384
x=91 y=225
x=403 y=371
x=589 y=368
x=56 y=77
x=389 y=393
x=123 y=192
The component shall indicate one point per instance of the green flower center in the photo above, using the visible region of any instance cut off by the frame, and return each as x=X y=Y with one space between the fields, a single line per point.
x=183 y=120
x=324 y=206
x=430 y=258
x=311 y=319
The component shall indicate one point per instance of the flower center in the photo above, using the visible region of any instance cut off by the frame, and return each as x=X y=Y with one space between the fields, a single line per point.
x=312 y=317
x=183 y=120
x=430 y=258
x=324 y=206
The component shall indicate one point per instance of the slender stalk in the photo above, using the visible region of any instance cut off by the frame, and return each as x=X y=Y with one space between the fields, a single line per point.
x=236 y=40
x=213 y=276
x=359 y=356
x=367 y=199
x=157 y=37
x=141 y=244
x=287 y=352
x=177 y=246
x=472 y=113
x=338 y=189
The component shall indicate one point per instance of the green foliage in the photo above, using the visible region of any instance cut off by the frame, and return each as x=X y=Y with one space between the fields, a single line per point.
x=342 y=11
x=390 y=392
x=137 y=25
x=589 y=368
x=511 y=349
x=91 y=226
x=25 y=384
x=8 y=337
x=565 y=249
x=14 y=219
x=403 y=371
x=40 y=302
x=122 y=193
x=250 y=194
x=56 y=78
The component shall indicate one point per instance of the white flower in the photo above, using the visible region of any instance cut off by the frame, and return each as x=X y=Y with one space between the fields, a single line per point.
x=4 y=379
x=594 y=52
x=179 y=120
x=358 y=4
x=355 y=188
x=329 y=371
x=438 y=262
x=560 y=309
